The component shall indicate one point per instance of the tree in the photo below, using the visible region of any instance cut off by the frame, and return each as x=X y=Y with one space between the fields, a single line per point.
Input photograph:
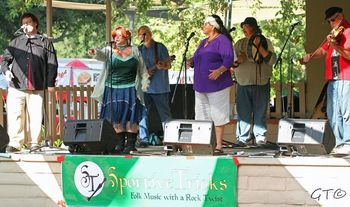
x=75 y=30
x=174 y=32
x=279 y=28
x=72 y=29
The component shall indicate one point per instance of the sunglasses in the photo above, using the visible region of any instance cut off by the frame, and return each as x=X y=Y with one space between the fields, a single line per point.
x=333 y=19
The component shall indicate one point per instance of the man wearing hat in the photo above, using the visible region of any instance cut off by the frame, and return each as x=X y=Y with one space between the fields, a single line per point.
x=336 y=48
x=255 y=60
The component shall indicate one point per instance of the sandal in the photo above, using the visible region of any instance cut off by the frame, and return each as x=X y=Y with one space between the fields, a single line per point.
x=218 y=152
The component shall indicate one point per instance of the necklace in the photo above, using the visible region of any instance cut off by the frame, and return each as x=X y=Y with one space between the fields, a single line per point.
x=121 y=51
x=122 y=47
x=209 y=40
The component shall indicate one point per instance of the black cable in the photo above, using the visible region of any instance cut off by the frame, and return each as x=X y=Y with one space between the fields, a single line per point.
x=183 y=66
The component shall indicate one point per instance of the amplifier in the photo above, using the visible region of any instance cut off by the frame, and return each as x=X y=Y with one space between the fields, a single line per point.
x=4 y=139
x=90 y=136
x=305 y=136
x=192 y=137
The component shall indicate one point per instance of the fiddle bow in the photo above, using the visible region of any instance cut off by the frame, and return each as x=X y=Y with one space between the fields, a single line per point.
x=334 y=36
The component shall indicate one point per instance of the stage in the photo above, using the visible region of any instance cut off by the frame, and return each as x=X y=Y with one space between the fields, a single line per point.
x=263 y=177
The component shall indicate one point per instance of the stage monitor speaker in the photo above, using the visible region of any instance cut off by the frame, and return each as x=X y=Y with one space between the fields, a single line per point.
x=90 y=136
x=305 y=136
x=4 y=139
x=190 y=137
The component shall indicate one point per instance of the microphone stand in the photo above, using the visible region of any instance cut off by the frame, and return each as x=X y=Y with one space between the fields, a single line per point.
x=183 y=65
x=290 y=111
x=110 y=79
x=279 y=63
x=46 y=140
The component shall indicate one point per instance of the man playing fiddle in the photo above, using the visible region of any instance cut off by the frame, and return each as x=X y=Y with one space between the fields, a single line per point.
x=336 y=48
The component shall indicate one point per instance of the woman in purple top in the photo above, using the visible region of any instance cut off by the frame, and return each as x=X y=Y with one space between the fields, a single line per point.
x=212 y=79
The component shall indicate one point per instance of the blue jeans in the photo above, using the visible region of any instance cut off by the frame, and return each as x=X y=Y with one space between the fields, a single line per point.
x=338 y=110
x=252 y=102
x=161 y=101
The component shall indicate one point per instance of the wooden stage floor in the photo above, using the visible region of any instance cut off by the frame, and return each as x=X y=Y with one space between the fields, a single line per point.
x=265 y=177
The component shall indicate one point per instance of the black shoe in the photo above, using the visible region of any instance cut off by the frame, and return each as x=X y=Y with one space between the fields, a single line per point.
x=218 y=152
x=35 y=148
x=128 y=150
x=11 y=149
x=239 y=143
x=130 y=143
x=119 y=148
x=261 y=143
x=142 y=144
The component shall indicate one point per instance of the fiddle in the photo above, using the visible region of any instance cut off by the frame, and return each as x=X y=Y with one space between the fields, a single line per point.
x=335 y=34
x=253 y=49
x=334 y=37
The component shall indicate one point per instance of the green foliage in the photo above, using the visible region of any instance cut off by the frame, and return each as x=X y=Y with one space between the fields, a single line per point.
x=173 y=33
x=9 y=24
x=75 y=30
x=279 y=29
x=58 y=143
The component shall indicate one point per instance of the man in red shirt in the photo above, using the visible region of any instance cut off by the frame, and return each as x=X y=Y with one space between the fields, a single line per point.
x=336 y=48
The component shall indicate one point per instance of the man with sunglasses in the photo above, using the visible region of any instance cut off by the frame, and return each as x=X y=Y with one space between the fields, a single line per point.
x=336 y=48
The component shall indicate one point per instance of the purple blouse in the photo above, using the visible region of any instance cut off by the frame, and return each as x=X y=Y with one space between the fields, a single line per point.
x=217 y=53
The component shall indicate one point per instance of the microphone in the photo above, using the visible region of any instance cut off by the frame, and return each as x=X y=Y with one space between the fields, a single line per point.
x=232 y=29
x=191 y=35
x=20 y=31
x=143 y=37
x=296 y=24
x=41 y=37
x=110 y=42
x=38 y=36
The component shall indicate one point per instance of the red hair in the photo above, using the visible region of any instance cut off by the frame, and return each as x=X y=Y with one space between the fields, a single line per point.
x=125 y=33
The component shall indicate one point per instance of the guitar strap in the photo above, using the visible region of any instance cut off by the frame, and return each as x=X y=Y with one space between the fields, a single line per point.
x=156 y=58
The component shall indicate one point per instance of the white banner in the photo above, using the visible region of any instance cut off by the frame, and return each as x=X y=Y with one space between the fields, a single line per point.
x=174 y=75
x=68 y=76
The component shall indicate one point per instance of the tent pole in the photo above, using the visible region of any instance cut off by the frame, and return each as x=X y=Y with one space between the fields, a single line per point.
x=108 y=19
x=49 y=18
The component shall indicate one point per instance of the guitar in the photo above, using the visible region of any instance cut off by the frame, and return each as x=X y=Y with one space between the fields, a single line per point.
x=154 y=68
